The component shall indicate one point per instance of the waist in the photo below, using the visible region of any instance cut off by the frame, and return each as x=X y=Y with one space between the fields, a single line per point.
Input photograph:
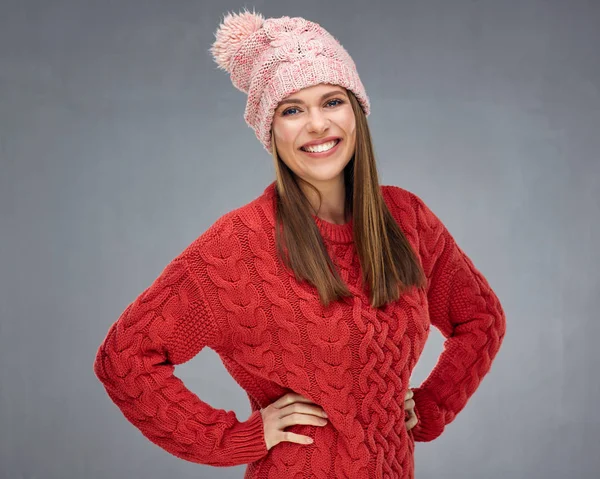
x=371 y=451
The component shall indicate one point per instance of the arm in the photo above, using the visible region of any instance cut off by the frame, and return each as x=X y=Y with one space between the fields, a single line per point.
x=168 y=324
x=466 y=311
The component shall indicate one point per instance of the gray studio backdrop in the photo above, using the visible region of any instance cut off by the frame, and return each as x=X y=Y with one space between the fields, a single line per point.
x=121 y=142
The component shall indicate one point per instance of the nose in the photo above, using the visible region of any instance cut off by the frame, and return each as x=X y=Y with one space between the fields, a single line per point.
x=317 y=121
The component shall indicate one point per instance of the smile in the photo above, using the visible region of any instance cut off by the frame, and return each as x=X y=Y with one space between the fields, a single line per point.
x=322 y=150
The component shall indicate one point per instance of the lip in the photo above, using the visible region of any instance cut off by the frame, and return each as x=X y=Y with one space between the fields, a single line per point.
x=324 y=153
x=321 y=141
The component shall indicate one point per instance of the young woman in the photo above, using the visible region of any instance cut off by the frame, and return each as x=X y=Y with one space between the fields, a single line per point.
x=318 y=295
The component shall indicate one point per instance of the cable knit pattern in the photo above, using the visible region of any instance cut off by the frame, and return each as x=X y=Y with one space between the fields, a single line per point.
x=228 y=291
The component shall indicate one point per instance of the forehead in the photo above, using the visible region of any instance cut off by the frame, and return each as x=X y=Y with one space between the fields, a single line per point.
x=313 y=92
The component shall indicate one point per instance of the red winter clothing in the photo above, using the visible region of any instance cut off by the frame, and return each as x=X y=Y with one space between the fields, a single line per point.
x=228 y=290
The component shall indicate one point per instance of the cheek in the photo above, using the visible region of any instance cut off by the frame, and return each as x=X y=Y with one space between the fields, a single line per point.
x=348 y=122
x=351 y=130
x=352 y=124
x=285 y=135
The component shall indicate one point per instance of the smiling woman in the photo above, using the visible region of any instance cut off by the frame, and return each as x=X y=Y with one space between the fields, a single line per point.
x=325 y=118
x=318 y=295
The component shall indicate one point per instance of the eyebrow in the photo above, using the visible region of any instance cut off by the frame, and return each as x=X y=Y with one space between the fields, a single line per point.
x=297 y=100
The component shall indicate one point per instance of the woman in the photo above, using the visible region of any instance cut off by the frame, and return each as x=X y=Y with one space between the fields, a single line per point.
x=318 y=295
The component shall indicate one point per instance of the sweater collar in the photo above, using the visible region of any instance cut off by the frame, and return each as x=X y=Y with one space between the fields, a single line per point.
x=334 y=232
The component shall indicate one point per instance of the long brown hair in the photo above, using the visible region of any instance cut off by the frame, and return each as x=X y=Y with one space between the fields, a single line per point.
x=388 y=262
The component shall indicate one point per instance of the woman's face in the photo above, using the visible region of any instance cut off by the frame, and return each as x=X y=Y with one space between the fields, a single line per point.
x=313 y=114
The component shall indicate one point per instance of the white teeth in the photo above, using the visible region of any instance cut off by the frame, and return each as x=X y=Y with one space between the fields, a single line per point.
x=320 y=148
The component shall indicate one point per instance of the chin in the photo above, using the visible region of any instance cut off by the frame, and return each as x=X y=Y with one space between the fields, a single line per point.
x=324 y=177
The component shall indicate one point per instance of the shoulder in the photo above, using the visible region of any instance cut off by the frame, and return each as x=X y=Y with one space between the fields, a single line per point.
x=397 y=197
x=402 y=197
x=223 y=236
x=404 y=205
x=422 y=227
x=410 y=207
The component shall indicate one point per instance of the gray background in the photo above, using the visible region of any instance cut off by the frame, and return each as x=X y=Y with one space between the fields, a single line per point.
x=121 y=142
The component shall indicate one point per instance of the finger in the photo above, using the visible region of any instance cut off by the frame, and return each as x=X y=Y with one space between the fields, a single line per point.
x=410 y=404
x=409 y=394
x=291 y=398
x=303 y=408
x=297 y=438
x=410 y=416
x=411 y=422
x=298 y=418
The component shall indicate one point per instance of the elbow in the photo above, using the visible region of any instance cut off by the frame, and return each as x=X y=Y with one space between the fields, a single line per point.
x=104 y=363
x=497 y=330
x=501 y=328
x=500 y=323
x=106 y=369
x=99 y=365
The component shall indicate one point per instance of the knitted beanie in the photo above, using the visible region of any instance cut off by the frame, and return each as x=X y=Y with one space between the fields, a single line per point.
x=273 y=58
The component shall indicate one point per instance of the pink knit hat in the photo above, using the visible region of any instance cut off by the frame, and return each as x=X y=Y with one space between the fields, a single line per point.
x=273 y=58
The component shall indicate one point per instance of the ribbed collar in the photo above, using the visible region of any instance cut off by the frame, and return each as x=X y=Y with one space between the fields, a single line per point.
x=333 y=232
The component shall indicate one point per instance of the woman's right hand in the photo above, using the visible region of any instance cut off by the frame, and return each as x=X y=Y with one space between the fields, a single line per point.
x=290 y=410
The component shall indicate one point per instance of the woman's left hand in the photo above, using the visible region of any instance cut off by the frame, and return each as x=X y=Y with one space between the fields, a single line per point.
x=409 y=406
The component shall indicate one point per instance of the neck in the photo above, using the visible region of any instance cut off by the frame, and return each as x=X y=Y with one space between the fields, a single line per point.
x=333 y=193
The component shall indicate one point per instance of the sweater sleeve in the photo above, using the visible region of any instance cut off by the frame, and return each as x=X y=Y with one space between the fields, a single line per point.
x=168 y=324
x=463 y=307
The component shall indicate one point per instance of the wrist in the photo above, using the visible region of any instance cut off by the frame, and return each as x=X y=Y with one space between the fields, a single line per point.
x=430 y=417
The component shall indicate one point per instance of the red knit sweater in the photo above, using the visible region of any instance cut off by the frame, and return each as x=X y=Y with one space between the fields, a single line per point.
x=228 y=290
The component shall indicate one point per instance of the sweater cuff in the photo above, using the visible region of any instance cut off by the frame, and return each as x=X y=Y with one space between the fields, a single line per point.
x=249 y=436
x=430 y=417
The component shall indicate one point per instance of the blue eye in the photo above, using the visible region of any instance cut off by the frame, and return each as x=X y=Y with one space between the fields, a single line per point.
x=286 y=112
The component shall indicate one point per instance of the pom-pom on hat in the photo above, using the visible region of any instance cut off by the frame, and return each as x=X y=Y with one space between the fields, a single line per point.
x=272 y=58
